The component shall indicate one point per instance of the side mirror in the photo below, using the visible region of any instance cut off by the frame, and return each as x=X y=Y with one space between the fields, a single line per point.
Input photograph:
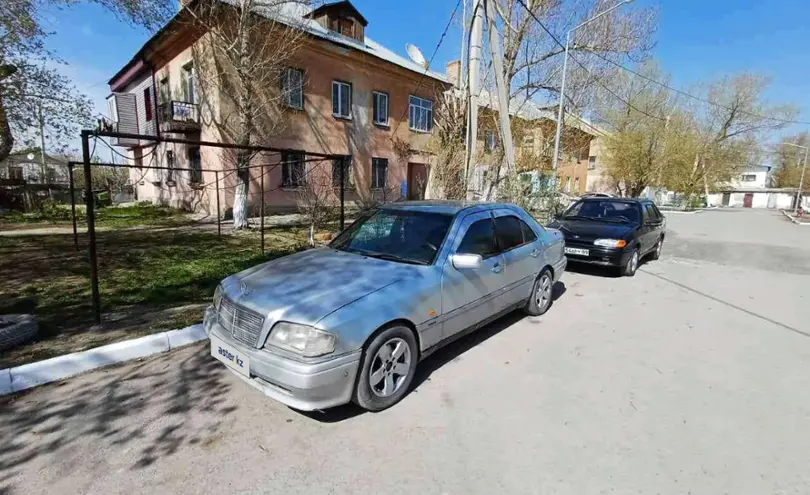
x=462 y=261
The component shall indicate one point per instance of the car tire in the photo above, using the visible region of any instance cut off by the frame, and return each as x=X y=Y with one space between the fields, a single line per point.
x=542 y=297
x=657 y=249
x=380 y=365
x=631 y=265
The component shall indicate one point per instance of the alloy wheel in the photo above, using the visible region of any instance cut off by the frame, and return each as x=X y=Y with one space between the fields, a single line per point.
x=542 y=295
x=390 y=367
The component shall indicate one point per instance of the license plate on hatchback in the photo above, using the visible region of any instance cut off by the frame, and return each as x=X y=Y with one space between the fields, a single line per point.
x=232 y=358
x=577 y=251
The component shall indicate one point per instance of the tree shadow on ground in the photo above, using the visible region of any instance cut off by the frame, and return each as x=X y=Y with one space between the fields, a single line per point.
x=174 y=408
x=435 y=361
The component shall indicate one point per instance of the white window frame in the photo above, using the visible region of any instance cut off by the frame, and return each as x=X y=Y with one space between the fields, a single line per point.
x=342 y=113
x=189 y=83
x=287 y=86
x=592 y=162
x=376 y=162
x=375 y=106
x=749 y=177
x=420 y=111
x=490 y=140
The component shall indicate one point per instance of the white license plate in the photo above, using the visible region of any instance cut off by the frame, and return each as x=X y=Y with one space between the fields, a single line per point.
x=233 y=358
x=577 y=251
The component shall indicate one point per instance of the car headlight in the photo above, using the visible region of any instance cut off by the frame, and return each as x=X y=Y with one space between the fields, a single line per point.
x=217 y=296
x=301 y=339
x=610 y=243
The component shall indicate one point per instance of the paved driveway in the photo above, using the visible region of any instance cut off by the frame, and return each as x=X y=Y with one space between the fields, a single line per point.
x=691 y=377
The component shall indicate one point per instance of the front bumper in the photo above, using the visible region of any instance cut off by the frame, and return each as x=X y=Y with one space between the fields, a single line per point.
x=302 y=386
x=600 y=255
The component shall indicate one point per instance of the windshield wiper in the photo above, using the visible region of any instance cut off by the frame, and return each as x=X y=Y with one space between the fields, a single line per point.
x=391 y=257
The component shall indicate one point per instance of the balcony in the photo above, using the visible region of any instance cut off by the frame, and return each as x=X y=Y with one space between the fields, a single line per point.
x=179 y=116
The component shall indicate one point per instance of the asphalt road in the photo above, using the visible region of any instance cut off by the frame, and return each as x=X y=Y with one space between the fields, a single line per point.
x=691 y=377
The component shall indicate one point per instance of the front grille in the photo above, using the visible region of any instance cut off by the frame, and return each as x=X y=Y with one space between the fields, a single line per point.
x=244 y=324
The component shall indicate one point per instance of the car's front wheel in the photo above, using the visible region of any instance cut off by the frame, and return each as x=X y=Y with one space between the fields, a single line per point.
x=389 y=363
x=631 y=265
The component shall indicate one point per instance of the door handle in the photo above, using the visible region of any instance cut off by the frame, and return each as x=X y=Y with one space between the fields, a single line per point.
x=497 y=268
x=535 y=253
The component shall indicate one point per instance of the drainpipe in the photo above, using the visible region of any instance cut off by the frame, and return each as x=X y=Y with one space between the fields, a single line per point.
x=154 y=99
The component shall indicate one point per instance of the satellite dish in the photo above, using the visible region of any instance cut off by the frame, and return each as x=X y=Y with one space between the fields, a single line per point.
x=416 y=55
x=30 y=156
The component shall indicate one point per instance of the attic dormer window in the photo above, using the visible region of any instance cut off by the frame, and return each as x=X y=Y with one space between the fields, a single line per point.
x=343 y=26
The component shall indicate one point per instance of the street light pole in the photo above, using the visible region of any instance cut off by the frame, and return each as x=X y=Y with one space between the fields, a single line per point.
x=801 y=178
x=562 y=84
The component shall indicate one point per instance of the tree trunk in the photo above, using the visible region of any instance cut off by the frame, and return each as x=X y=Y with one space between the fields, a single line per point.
x=6 y=139
x=245 y=108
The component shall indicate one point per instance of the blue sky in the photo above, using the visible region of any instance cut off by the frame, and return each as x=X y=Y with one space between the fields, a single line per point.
x=696 y=40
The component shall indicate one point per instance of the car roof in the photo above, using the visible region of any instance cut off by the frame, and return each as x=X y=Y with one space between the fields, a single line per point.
x=623 y=200
x=447 y=207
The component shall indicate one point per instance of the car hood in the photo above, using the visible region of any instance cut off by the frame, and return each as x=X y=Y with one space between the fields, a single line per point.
x=590 y=230
x=307 y=286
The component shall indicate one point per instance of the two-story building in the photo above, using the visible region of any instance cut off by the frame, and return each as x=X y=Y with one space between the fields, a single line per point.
x=29 y=167
x=344 y=94
x=533 y=130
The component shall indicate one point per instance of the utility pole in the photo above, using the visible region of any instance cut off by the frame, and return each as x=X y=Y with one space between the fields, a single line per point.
x=562 y=84
x=503 y=92
x=473 y=67
x=42 y=161
x=801 y=178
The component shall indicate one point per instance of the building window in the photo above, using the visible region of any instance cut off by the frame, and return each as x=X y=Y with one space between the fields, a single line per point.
x=341 y=99
x=379 y=173
x=346 y=162
x=420 y=114
x=343 y=26
x=380 y=104
x=591 y=163
x=490 y=140
x=164 y=92
x=293 y=169
x=576 y=184
x=189 y=76
x=147 y=103
x=15 y=173
x=749 y=178
x=567 y=183
x=196 y=164
x=292 y=87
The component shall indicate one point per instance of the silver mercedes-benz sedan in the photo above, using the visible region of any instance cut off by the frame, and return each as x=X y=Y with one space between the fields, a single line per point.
x=350 y=321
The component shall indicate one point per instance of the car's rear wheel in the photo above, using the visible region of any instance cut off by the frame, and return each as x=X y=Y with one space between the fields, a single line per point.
x=631 y=265
x=542 y=294
x=389 y=363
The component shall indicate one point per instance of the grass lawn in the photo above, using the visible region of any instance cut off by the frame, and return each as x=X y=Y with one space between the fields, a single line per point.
x=52 y=215
x=149 y=281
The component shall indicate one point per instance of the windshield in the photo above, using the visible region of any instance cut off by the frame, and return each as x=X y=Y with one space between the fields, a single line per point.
x=405 y=236
x=604 y=210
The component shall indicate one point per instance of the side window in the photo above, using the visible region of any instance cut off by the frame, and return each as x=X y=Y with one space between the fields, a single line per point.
x=479 y=239
x=645 y=214
x=528 y=233
x=656 y=212
x=510 y=233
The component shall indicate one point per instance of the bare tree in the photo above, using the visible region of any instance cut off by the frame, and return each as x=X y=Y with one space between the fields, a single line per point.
x=241 y=58
x=316 y=201
x=790 y=162
x=533 y=61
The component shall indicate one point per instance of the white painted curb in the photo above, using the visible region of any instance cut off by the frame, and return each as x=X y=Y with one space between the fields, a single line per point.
x=792 y=218
x=5 y=382
x=61 y=367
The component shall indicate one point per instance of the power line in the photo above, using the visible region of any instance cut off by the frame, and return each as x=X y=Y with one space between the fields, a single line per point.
x=694 y=97
x=649 y=79
x=556 y=40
